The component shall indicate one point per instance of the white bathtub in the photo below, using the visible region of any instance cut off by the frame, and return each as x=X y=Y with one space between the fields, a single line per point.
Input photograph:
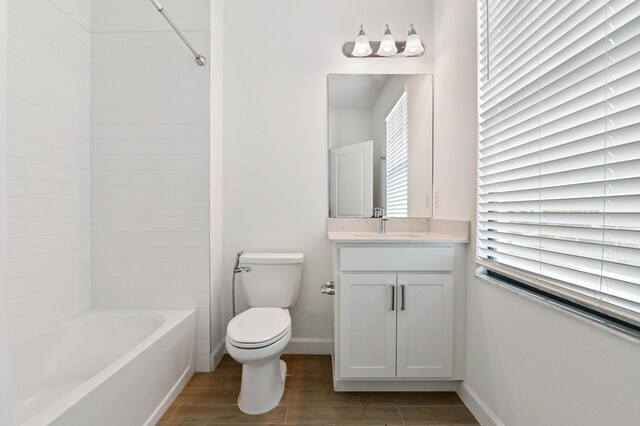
x=103 y=367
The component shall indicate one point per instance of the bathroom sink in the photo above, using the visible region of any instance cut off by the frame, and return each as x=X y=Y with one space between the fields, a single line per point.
x=365 y=234
x=389 y=235
x=404 y=235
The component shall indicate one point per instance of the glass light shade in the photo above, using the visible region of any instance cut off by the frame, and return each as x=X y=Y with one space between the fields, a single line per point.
x=414 y=46
x=388 y=44
x=362 y=46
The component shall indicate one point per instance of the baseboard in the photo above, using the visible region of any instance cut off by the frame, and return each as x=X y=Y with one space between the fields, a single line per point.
x=301 y=345
x=217 y=354
x=297 y=345
x=171 y=396
x=477 y=406
x=394 y=385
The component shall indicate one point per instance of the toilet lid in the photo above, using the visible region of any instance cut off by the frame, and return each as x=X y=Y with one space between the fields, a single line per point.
x=258 y=327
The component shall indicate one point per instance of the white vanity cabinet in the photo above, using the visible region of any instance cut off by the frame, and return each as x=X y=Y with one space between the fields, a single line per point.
x=395 y=312
x=396 y=325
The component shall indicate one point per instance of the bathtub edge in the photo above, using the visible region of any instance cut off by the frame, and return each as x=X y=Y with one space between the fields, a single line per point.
x=171 y=396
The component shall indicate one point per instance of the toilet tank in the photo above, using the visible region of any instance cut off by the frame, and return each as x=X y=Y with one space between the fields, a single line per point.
x=273 y=279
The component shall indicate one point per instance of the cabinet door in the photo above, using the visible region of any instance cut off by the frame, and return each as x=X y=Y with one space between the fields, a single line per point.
x=367 y=325
x=425 y=325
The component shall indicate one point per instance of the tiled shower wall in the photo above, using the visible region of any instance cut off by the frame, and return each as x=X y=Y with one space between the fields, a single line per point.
x=150 y=174
x=48 y=165
x=108 y=160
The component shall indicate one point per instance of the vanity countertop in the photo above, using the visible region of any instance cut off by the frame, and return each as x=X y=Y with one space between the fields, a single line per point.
x=394 y=237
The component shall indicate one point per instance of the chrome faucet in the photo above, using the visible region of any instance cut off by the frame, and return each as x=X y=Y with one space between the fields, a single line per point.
x=380 y=213
x=381 y=225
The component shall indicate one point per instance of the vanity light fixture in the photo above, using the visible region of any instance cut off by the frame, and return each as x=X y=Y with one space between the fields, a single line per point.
x=386 y=48
x=361 y=47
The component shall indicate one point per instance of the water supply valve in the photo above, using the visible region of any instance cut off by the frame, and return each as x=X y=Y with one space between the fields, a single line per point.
x=328 y=288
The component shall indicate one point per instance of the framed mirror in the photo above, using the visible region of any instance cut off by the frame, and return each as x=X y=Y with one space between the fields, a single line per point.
x=380 y=144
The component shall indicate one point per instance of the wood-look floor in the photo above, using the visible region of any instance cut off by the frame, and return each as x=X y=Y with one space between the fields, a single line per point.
x=309 y=399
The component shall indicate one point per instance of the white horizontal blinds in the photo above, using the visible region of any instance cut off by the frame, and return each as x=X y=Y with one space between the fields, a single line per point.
x=621 y=255
x=559 y=150
x=572 y=142
x=483 y=41
x=397 y=159
x=509 y=159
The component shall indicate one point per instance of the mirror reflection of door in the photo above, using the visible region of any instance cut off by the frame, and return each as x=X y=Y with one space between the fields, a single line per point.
x=351 y=180
x=397 y=197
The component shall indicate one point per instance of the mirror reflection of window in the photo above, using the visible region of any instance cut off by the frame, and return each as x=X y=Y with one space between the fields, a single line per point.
x=397 y=156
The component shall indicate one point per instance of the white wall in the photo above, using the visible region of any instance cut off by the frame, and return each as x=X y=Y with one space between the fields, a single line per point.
x=275 y=130
x=78 y=10
x=48 y=165
x=352 y=126
x=420 y=174
x=216 y=183
x=526 y=362
x=5 y=392
x=455 y=122
x=141 y=15
x=150 y=164
x=523 y=355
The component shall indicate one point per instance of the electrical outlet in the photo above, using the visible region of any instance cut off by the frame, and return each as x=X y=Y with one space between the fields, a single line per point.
x=436 y=199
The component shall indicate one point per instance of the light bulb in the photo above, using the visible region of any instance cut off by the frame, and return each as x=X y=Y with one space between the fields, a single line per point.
x=388 y=44
x=362 y=46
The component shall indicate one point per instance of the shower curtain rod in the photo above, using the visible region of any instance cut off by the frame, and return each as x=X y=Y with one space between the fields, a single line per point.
x=200 y=60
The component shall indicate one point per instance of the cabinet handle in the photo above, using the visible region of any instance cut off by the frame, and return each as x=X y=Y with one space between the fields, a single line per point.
x=402 y=295
x=393 y=297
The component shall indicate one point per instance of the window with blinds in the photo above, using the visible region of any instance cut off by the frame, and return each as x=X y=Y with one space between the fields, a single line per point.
x=397 y=159
x=559 y=148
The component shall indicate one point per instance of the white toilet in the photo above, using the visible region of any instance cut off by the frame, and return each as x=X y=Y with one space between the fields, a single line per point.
x=257 y=337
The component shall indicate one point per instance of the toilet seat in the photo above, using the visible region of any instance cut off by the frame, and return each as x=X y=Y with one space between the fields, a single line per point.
x=258 y=327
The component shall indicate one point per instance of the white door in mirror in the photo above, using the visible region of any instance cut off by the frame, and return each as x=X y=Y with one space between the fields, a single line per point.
x=351 y=180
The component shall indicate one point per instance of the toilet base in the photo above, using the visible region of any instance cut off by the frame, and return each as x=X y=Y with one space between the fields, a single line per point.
x=262 y=386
